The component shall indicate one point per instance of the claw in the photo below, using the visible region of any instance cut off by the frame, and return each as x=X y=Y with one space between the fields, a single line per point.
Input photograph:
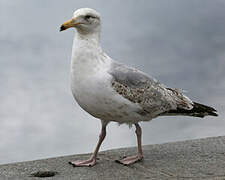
x=85 y=163
x=129 y=160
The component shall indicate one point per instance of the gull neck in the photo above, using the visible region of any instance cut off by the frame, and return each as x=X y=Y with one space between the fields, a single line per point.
x=93 y=38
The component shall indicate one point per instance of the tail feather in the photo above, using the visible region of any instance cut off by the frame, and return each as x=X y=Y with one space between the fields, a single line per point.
x=198 y=110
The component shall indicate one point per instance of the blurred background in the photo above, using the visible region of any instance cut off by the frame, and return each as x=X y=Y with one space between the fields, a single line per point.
x=180 y=43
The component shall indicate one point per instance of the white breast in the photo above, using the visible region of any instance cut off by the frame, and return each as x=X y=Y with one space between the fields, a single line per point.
x=91 y=86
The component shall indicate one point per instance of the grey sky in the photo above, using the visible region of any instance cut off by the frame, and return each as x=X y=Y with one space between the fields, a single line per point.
x=181 y=43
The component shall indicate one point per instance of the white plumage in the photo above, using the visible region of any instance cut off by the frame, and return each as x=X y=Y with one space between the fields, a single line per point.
x=112 y=91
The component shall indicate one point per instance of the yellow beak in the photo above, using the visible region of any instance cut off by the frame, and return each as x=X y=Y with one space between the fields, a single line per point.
x=68 y=24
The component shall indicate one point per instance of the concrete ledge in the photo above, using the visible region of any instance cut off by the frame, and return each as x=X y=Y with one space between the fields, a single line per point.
x=194 y=159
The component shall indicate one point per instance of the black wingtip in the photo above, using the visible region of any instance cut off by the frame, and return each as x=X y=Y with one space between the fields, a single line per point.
x=205 y=109
x=213 y=114
x=198 y=110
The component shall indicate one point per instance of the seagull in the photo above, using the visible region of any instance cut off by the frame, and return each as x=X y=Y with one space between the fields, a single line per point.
x=112 y=91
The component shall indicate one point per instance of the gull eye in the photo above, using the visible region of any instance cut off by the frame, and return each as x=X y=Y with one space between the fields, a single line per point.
x=87 y=17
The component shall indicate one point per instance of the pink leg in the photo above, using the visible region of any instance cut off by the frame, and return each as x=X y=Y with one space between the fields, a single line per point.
x=132 y=159
x=92 y=161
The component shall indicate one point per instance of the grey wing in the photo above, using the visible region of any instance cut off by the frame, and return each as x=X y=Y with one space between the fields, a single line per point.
x=138 y=87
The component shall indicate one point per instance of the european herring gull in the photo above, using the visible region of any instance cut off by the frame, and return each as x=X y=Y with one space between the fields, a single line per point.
x=112 y=91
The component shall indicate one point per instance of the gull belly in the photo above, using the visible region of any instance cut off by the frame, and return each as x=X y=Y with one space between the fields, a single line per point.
x=94 y=93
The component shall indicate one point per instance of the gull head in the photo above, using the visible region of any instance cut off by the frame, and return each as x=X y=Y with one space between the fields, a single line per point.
x=85 y=20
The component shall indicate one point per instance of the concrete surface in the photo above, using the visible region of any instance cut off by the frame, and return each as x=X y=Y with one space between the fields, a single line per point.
x=194 y=159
